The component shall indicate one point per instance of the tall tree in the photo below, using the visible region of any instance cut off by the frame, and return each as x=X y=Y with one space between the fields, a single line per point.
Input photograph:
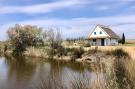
x=123 y=38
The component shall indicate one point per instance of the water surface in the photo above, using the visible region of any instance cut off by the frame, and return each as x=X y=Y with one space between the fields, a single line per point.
x=29 y=73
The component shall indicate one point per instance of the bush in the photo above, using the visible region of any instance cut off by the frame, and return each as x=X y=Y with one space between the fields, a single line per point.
x=34 y=52
x=61 y=51
x=95 y=50
x=120 y=53
x=51 y=53
x=122 y=73
x=77 y=53
x=87 y=45
x=22 y=37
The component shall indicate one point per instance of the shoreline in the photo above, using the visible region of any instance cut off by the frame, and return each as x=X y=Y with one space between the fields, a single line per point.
x=86 y=58
x=89 y=56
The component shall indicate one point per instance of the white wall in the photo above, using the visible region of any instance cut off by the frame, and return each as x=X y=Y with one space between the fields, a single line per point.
x=98 y=30
x=111 y=41
x=108 y=42
x=98 y=42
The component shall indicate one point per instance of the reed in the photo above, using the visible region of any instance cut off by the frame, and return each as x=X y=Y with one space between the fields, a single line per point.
x=118 y=73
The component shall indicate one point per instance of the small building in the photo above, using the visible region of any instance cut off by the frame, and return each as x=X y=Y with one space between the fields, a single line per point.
x=103 y=36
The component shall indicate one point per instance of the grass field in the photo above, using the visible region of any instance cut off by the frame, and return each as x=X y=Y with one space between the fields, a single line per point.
x=130 y=42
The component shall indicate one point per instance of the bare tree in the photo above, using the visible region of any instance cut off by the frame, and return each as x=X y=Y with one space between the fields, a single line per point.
x=54 y=38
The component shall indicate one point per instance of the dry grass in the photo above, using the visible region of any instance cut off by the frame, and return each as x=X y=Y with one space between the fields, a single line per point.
x=130 y=50
x=34 y=52
x=119 y=73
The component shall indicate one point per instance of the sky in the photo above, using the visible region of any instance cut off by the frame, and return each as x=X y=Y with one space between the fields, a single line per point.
x=75 y=18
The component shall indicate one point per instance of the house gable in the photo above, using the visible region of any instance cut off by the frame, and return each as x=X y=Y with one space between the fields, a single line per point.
x=98 y=32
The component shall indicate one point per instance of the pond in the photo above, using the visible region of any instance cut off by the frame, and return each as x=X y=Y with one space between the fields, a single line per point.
x=30 y=73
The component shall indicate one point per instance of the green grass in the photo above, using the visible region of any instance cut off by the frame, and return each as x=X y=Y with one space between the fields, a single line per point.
x=129 y=44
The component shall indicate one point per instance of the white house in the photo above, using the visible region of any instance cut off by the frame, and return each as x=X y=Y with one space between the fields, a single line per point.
x=103 y=36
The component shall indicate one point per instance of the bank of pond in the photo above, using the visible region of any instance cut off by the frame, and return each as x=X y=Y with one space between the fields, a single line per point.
x=97 y=70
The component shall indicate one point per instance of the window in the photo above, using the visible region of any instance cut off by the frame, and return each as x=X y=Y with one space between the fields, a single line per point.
x=100 y=32
x=94 y=33
x=94 y=40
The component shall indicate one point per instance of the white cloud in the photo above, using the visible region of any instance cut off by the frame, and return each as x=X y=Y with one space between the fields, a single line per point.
x=42 y=8
x=132 y=7
x=104 y=7
x=127 y=0
x=82 y=26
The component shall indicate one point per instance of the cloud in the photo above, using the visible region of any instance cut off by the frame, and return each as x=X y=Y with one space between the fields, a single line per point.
x=127 y=0
x=104 y=7
x=42 y=8
x=76 y=27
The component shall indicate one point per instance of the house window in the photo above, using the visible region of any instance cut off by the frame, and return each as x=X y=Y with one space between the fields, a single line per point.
x=100 y=32
x=94 y=40
x=94 y=33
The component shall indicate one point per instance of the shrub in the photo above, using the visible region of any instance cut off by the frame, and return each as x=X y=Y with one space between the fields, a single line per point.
x=77 y=53
x=51 y=53
x=95 y=50
x=34 y=52
x=23 y=36
x=87 y=45
x=120 y=53
x=61 y=51
x=122 y=74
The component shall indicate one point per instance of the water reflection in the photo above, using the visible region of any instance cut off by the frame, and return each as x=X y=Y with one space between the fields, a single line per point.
x=28 y=73
x=19 y=72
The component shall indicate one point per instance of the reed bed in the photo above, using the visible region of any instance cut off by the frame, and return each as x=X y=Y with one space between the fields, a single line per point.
x=118 y=73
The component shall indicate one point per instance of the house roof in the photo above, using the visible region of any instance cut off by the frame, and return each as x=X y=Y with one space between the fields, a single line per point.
x=109 y=31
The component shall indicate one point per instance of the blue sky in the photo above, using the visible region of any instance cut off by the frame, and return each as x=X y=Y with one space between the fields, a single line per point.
x=73 y=17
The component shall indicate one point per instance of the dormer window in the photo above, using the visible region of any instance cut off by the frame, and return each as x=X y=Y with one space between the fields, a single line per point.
x=94 y=33
x=100 y=32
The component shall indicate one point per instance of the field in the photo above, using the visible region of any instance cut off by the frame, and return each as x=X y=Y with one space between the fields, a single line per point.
x=130 y=42
x=129 y=49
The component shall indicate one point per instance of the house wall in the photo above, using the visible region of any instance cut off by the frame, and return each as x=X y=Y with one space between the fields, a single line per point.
x=114 y=41
x=111 y=41
x=108 y=42
x=98 y=42
x=98 y=35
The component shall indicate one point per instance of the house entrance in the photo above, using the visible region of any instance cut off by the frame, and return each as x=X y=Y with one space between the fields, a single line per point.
x=102 y=42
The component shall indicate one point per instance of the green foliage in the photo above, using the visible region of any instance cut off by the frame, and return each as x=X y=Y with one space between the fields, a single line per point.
x=23 y=36
x=123 y=38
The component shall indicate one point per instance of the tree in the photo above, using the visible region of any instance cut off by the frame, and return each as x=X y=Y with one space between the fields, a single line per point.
x=23 y=36
x=54 y=39
x=123 y=39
